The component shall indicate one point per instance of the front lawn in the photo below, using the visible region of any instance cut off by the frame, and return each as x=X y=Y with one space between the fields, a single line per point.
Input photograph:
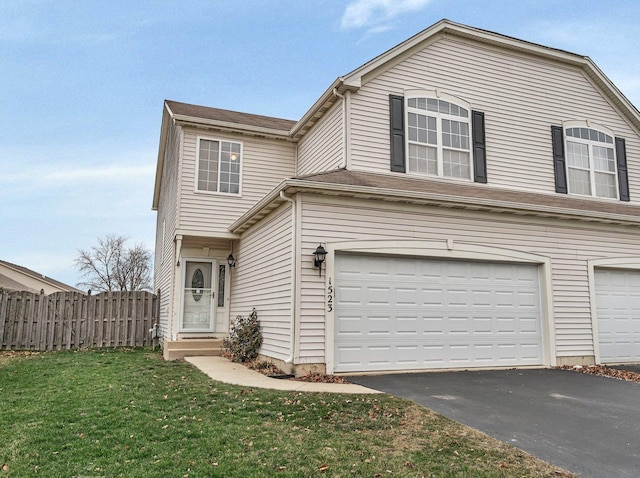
x=128 y=413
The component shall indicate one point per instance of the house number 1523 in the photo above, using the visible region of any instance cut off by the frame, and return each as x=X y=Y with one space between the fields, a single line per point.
x=329 y=297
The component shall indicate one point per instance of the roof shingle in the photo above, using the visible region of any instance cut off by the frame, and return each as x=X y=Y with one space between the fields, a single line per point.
x=228 y=116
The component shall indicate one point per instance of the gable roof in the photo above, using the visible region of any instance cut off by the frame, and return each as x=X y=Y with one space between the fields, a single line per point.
x=361 y=75
x=11 y=284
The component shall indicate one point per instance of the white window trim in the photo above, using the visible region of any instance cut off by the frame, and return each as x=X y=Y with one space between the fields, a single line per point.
x=603 y=129
x=197 y=166
x=437 y=94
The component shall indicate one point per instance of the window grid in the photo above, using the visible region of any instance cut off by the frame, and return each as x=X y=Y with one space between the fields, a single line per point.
x=219 y=166
x=438 y=138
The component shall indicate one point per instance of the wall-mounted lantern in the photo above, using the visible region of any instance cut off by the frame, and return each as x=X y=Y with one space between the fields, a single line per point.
x=318 y=258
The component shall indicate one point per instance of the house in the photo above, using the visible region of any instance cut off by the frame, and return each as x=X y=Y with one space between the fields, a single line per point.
x=17 y=278
x=477 y=197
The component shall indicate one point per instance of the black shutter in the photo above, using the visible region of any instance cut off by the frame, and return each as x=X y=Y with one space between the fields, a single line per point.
x=623 y=177
x=396 y=120
x=479 y=148
x=560 y=171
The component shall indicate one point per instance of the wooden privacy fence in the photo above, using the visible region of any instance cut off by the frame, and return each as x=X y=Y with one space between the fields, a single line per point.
x=71 y=320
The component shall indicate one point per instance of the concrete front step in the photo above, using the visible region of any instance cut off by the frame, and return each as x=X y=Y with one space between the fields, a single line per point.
x=178 y=349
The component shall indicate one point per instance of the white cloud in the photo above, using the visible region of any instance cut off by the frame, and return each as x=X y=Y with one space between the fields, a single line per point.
x=365 y=13
x=64 y=176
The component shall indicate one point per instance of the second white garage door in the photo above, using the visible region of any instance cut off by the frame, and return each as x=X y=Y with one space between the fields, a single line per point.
x=398 y=313
x=618 y=312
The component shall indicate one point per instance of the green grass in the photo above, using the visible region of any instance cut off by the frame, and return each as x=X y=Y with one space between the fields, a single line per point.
x=129 y=413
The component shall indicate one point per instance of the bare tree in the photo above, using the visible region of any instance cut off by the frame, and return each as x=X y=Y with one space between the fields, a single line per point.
x=110 y=266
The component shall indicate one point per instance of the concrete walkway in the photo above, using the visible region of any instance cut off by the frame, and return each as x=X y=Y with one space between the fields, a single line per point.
x=223 y=370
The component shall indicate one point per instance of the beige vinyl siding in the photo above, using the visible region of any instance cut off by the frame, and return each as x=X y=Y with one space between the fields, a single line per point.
x=167 y=215
x=521 y=97
x=569 y=244
x=321 y=148
x=262 y=280
x=265 y=163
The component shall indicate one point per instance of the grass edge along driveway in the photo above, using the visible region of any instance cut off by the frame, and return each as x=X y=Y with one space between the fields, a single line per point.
x=128 y=413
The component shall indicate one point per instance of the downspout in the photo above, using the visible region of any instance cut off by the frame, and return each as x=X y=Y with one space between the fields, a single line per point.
x=343 y=164
x=284 y=197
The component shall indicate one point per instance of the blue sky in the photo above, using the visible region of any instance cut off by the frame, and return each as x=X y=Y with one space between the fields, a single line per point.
x=82 y=85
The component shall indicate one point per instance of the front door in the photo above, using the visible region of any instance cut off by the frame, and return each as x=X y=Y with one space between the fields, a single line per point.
x=198 y=296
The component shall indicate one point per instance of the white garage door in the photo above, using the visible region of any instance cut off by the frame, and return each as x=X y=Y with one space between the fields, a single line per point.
x=618 y=312
x=396 y=313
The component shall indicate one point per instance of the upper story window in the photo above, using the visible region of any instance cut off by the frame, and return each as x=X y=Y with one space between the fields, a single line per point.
x=438 y=138
x=591 y=165
x=218 y=166
x=589 y=161
x=437 y=135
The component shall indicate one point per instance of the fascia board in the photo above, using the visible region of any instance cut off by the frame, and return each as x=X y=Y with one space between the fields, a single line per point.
x=311 y=112
x=379 y=61
x=448 y=27
x=273 y=196
x=445 y=27
x=208 y=235
x=611 y=90
x=161 y=152
x=233 y=127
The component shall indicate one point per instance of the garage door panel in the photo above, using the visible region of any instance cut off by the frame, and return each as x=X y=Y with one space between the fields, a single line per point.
x=438 y=314
x=618 y=314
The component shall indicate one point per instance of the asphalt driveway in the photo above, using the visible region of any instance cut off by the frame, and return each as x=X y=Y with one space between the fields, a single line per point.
x=583 y=423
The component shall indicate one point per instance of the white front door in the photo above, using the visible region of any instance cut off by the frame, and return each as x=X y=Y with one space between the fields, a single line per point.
x=198 y=296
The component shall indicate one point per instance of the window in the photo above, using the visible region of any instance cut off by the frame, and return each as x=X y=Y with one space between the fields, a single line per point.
x=218 y=166
x=222 y=277
x=591 y=165
x=438 y=138
x=443 y=137
x=589 y=161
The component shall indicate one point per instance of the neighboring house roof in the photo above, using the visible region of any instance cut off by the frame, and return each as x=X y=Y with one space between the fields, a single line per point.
x=8 y=284
x=12 y=284
x=440 y=193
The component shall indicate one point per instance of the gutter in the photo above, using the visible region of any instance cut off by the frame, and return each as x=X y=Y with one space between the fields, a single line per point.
x=236 y=127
